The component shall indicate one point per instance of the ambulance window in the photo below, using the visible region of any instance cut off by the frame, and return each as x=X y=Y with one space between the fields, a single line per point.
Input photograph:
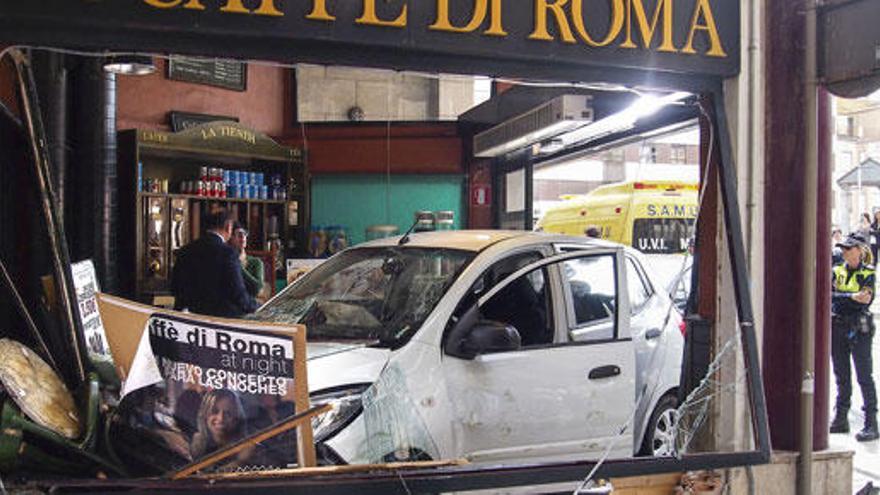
x=662 y=235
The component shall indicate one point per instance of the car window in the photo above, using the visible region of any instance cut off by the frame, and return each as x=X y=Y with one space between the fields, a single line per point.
x=680 y=289
x=524 y=304
x=591 y=284
x=639 y=292
x=499 y=270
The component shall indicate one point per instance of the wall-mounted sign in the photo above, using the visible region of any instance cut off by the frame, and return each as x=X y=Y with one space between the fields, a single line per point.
x=849 y=42
x=461 y=36
x=229 y=74
x=481 y=195
x=184 y=120
x=219 y=137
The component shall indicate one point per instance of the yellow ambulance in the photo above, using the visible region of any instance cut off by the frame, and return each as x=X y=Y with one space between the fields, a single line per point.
x=655 y=217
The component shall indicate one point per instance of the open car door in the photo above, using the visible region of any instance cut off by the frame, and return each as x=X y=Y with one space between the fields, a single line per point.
x=519 y=397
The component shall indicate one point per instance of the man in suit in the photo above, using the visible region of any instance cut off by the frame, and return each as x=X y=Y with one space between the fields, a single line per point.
x=207 y=276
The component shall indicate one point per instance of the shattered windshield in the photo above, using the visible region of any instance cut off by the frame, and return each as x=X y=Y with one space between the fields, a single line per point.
x=372 y=294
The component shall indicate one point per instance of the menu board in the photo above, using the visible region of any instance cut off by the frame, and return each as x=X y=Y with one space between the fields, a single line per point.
x=229 y=74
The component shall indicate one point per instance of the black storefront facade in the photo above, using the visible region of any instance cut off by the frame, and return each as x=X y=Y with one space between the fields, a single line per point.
x=689 y=45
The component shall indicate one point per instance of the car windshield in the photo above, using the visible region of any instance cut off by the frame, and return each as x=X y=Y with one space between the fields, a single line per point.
x=379 y=295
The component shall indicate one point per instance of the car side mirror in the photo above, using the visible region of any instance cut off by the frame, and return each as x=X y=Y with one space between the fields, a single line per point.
x=472 y=335
x=491 y=336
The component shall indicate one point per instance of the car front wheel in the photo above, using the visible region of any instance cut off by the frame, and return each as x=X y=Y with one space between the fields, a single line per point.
x=660 y=435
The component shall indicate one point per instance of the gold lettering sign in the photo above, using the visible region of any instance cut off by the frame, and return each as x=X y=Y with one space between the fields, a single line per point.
x=630 y=24
x=479 y=16
x=154 y=136
x=267 y=7
x=369 y=16
x=715 y=48
x=540 y=32
x=319 y=12
x=168 y=4
x=564 y=13
x=613 y=30
x=229 y=132
x=636 y=7
x=160 y=4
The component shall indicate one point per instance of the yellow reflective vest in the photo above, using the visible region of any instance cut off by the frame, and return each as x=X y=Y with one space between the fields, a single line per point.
x=847 y=281
x=851 y=281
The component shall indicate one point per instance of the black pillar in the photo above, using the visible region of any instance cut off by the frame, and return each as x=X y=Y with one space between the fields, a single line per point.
x=50 y=75
x=91 y=186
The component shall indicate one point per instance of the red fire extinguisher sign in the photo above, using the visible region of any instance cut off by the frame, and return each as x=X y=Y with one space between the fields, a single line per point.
x=481 y=195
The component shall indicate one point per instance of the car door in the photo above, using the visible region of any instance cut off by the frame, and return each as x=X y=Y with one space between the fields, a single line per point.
x=560 y=396
x=652 y=322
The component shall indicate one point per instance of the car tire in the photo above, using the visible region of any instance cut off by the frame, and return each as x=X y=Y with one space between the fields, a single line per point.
x=659 y=438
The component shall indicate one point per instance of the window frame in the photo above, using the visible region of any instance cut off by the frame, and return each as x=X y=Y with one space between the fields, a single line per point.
x=571 y=323
x=543 y=252
x=552 y=311
x=560 y=302
x=646 y=284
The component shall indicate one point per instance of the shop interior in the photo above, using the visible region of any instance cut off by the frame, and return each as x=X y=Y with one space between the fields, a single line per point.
x=317 y=158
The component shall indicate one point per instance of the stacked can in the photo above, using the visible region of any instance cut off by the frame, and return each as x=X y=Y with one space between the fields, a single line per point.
x=209 y=183
x=244 y=182
x=219 y=183
x=229 y=180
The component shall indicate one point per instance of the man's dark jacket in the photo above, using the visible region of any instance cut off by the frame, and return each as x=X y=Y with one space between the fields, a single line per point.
x=207 y=279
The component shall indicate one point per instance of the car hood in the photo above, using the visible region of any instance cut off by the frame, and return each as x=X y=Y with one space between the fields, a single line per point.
x=333 y=364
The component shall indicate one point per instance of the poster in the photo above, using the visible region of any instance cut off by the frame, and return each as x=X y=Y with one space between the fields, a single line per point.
x=85 y=283
x=196 y=385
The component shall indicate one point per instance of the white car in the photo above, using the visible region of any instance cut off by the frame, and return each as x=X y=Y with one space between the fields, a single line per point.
x=493 y=346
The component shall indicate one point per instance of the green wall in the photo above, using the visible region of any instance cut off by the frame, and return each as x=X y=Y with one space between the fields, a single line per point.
x=357 y=201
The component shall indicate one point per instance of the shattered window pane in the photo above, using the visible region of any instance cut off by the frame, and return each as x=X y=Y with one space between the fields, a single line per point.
x=395 y=431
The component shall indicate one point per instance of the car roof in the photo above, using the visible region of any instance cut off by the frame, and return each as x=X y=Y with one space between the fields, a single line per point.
x=478 y=240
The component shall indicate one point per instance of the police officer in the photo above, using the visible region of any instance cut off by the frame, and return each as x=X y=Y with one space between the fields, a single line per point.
x=852 y=330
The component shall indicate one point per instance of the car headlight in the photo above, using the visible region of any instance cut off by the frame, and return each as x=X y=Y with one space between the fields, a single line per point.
x=346 y=403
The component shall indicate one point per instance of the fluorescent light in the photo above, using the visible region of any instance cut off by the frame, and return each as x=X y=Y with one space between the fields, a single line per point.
x=530 y=138
x=550 y=146
x=559 y=115
x=624 y=120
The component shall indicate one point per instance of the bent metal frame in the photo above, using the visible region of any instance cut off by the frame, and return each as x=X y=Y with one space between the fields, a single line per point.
x=537 y=42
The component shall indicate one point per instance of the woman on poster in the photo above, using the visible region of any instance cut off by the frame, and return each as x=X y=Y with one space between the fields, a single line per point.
x=221 y=421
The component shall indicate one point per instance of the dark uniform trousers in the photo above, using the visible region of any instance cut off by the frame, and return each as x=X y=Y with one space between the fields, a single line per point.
x=848 y=338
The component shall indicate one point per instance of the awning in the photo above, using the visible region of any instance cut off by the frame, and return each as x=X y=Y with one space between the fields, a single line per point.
x=870 y=170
